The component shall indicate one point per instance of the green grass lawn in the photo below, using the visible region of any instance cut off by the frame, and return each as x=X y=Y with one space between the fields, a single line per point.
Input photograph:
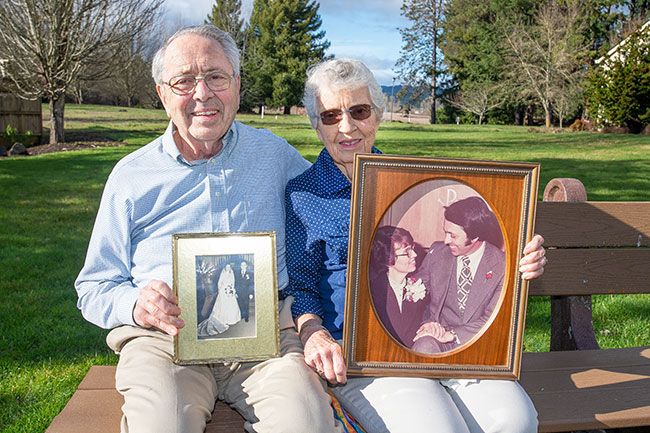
x=48 y=205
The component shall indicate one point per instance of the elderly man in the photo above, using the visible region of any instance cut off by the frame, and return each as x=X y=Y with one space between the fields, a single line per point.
x=206 y=173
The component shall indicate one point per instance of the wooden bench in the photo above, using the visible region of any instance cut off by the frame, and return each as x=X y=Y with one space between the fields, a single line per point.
x=592 y=248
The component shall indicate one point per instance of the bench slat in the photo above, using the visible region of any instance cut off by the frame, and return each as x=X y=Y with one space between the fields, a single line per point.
x=589 y=224
x=589 y=389
x=594 y=271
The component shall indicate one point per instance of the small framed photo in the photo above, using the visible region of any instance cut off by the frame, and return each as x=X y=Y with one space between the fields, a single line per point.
x=227 y=289
x=433 y=286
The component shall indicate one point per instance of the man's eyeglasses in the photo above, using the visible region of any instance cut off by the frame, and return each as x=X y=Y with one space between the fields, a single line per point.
x=185 y=84
x=357 y=112
x=408 y=251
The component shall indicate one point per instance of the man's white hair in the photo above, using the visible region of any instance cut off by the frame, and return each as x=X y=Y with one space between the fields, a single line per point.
x=206 y=30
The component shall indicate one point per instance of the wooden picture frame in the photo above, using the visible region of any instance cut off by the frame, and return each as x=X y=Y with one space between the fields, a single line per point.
x=417 y=195
x=227 y=289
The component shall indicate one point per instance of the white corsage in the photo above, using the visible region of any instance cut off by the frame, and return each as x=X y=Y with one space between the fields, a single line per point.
x=414 y=290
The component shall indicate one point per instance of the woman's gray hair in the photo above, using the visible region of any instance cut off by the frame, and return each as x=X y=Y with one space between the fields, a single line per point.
x=207 y=31
x=340 y=74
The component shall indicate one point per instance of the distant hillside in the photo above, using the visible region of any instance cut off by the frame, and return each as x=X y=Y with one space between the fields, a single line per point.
x=404 y=100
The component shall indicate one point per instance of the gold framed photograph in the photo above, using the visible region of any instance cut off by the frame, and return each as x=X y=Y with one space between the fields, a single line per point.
x=227 y=289
x=433 y=287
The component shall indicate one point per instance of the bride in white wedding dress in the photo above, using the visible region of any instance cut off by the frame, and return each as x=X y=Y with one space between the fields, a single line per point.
x=226 y=310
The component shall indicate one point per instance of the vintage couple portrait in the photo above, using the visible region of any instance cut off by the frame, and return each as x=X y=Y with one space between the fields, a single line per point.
x=225 y=288
x=436 y=266
x=227 y=284
x=433 y=287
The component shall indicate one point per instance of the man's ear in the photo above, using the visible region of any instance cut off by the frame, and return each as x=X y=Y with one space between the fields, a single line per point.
x=163 y=98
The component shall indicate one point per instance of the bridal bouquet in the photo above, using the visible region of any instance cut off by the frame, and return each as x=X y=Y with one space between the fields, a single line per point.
x=414 y=290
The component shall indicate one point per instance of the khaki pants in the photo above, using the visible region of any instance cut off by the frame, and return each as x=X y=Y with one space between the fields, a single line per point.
x=278 y=395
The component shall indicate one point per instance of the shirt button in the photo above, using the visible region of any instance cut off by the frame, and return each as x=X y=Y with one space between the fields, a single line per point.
x=217 y=194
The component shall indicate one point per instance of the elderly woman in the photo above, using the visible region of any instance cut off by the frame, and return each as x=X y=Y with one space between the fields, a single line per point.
x=345 y=105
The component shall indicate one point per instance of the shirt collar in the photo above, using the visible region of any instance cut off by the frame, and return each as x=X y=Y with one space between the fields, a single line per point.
x=326 y=169
x=169 y=145
x=474 y=259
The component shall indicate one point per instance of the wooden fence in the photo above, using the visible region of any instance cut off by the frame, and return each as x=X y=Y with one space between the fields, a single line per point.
x=20 y=114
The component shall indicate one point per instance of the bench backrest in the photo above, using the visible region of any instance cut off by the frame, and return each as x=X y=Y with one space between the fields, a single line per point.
x=593 y=247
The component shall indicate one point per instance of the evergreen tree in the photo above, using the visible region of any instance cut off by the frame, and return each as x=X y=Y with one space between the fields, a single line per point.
x=226 y=15
x=419 y=63
x=283 y=39
x=254 y=79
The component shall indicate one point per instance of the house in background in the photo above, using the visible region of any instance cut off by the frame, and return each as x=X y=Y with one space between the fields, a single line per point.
x=617 y=53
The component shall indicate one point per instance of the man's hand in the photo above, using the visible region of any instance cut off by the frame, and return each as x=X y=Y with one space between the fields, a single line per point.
x=532 y=264
x=435 y=330
x=157 y=307
x=322 y=352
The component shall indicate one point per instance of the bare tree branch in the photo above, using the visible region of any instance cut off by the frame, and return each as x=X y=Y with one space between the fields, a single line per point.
x=547 y=58
x=47 y=45
x=479 y=98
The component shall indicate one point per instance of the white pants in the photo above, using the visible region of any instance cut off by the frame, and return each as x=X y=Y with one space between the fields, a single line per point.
x=414 y=405
x=280 y=395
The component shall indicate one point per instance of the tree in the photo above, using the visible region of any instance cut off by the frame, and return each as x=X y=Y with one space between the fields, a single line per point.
x=226 y=15
x=547 y=57
x=284 y=39
x=419 y=63
x=619 y=87
x=47 y=45
x=479 y=98
x=473 y=46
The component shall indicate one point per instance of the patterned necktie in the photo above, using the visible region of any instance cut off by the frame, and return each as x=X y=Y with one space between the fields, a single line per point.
x=464 y=284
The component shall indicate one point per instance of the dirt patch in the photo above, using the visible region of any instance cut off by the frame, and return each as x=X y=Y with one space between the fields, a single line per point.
x=75 y=145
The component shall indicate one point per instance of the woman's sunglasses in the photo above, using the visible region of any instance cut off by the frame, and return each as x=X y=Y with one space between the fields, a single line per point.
x=357 y=112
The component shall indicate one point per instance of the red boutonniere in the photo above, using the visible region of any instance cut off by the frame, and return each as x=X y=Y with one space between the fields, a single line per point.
x=489 y=275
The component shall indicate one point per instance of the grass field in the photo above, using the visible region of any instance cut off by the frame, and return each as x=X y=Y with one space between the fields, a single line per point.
x=48 y=204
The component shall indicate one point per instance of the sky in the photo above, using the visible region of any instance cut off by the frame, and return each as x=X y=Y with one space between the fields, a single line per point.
x=367 y=31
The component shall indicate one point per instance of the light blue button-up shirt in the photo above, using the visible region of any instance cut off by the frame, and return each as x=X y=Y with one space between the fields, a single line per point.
x=154 y=193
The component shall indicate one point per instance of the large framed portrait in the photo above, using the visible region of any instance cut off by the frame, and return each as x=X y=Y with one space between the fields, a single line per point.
x=433 y=287
x=226 y=284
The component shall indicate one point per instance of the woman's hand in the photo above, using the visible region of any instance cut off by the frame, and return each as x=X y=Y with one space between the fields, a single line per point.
x=322 y=352
x=532 y=264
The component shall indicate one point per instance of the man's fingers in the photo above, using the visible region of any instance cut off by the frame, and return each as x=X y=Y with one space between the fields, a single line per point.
x=161 y=308
x=158 y=291
x=157 y=307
